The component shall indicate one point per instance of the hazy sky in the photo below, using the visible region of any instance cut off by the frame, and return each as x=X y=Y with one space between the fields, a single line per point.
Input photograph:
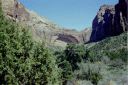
x=72 y=14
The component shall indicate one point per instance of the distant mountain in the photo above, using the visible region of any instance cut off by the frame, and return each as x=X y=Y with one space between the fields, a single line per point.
x=110 y=21
x=42 y=28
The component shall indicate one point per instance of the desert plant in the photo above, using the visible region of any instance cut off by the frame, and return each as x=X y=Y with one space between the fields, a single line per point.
x=22 y=60
x=91 y=71
x=75 y=54
x=65 y=66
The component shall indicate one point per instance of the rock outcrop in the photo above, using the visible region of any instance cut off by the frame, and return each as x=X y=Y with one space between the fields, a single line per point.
x=110 y=21
x=42 y=29
x=15 y=10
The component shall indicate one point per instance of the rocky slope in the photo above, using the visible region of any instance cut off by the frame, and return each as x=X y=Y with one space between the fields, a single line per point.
x=15 y=10
x=42 y=28
x=110 y=21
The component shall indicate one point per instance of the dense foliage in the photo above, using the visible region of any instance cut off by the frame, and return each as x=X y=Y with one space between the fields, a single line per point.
x=67 y=59
x=26 y=62
x=97 y=63
x=22 y=60
x=115 y=48
x=107 y=60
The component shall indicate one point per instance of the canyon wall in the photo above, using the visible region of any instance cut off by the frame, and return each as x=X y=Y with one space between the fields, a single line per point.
x=42 y=29
x=110 y=21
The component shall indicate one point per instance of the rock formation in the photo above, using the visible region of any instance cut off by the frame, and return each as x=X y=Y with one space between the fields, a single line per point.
x=15 y=10
x=110 y=21
x=42 y=29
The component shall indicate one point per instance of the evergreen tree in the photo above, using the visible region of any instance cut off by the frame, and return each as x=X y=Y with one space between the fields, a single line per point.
x=75 y=54
x=22 y=60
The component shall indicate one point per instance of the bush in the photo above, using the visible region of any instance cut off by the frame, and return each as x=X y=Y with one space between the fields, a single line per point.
x=65 y=66
x=118 y=54
x=75 y=54
x=114 y=77
x=67 y=59
x=45 y=69
x=91 y=72
x=23 y=61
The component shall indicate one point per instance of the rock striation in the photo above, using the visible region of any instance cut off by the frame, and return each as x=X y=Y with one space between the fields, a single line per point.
x=110 y=21
x=42 y=29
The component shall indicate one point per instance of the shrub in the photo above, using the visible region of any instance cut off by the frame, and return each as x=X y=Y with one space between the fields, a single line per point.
x=91 y=71
x=75 y=54
x=45 y=69
x=65 y=66
x=113 y=47
x=23 y=61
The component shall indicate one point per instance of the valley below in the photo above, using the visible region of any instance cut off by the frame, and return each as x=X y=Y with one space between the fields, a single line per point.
x=36 y=51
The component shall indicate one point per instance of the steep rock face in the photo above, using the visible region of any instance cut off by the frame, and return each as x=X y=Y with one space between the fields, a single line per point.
x=85 y=35
x=15 y=10
x=110 y=21
x=42 y=29
x=52 y=33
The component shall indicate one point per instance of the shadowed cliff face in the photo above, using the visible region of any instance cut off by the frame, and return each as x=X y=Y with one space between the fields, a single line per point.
x=110 y=21
x=67 y=38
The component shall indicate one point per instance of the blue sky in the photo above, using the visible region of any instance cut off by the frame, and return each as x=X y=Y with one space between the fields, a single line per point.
x=72 y=14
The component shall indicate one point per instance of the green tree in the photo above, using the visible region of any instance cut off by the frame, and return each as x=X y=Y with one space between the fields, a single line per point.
x=75 y=54
x=22 y=60
x=65 y=66
x=45 y=68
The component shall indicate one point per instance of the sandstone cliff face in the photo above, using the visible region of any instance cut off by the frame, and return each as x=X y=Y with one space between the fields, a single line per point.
x=110 y=21
x=52 y=33
x=15 y=10
x=42 y=29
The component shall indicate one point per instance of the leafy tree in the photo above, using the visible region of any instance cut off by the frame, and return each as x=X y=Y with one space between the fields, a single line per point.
x=75 y=54
x=65 y=66
x=45 y=65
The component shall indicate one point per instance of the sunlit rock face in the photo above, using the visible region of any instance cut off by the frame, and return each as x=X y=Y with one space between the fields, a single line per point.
x=42 y=29
x=110 y=21
x=15 y=10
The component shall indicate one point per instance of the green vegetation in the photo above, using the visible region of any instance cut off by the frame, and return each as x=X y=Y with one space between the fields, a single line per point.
x=100 y=63
x=67 y=59
x=114 y=48
x=75 y=54
x=107 y=61
x=90 y=71
x=24 y=61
